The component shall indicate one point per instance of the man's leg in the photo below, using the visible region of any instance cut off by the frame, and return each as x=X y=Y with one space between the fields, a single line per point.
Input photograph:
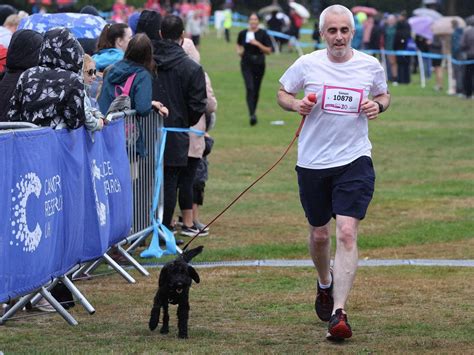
x=346 y=259
x=320 y=250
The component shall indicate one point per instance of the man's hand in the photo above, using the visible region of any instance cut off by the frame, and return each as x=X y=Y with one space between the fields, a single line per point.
x=370 y=108
x=304 y=106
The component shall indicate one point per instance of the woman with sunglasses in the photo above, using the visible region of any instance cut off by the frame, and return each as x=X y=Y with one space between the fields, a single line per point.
x=94 y=118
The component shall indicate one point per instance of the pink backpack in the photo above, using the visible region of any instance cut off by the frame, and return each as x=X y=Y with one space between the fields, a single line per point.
x=122 y=101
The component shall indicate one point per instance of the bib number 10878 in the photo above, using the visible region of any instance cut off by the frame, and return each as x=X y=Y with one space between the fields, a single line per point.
x=342 y=98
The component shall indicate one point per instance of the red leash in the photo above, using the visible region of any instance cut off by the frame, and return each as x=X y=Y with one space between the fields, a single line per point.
x=311 y=98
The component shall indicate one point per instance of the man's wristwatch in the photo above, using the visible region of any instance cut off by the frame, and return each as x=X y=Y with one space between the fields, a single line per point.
x=381 y=108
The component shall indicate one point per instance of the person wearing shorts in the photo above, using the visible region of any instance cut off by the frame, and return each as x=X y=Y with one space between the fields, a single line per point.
x=335 y=173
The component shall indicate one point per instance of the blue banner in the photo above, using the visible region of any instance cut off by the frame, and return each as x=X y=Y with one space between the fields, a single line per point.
x=64 y=198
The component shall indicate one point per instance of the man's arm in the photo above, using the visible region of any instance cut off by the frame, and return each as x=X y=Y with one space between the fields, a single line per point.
x=372 y=109
x=289 y=102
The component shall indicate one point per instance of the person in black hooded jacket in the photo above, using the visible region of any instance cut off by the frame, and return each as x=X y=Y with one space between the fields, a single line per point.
x=181 y=86
x=23 y=53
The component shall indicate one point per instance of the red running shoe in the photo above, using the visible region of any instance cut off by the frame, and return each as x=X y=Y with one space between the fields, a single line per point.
x=339 y=329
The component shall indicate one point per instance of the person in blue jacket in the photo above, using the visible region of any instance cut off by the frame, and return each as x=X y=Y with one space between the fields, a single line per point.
x=112 y=43
x=138 y=59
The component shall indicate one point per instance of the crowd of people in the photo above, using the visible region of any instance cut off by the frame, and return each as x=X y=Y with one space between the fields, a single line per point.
x=76 y=85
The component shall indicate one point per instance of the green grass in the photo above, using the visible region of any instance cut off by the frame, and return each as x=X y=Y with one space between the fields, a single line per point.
x=423 y=207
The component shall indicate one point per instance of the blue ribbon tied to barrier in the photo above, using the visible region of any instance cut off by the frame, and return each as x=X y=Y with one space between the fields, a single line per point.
x=154 y=250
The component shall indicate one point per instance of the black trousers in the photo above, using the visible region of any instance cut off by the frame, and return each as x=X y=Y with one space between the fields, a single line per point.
x=174 y=178
x=403 y=70
x=468 y=79
x=253 y=76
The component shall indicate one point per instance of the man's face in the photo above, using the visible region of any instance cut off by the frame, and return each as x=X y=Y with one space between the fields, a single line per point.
x=338 y=34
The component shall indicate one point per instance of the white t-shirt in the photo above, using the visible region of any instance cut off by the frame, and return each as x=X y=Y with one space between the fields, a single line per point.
x=335 y=133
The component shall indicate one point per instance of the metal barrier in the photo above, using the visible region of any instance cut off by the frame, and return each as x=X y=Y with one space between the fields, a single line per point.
x=143 y=134
x=44 y=291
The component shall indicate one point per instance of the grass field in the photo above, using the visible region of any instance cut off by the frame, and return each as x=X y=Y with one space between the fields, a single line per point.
x=423 y=208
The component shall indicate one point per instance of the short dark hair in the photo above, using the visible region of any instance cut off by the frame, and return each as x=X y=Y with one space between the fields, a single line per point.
x=172 y=27
x=140 y=51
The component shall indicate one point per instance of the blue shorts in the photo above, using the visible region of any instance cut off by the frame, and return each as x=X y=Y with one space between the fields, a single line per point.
x=345 y=190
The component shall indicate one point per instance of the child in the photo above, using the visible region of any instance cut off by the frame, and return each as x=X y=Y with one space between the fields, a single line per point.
x=94 y=118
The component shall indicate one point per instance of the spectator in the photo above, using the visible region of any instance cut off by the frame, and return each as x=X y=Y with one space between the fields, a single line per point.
x=113 y=42
x=5 y=11
x=368 y=26
x=359 y=19
x=423 y=45
x=389 y=39
x=467 y=45
x=133 y=21
x=316 y=36
x=194 y=27
x=436 y=47
x=227 y=24
x=120 y=11
x=252 y=46
x=275 y=23
x=9 y=27
x=402 y=37
x=138 y=60
x=94 y=118
x=457 y=54
x=180 y=85
x=23 y=54
x=3 y=59
x=196 y=150
x=52 y=93
x=89 y=44
x=149 y=22
x=295 y=25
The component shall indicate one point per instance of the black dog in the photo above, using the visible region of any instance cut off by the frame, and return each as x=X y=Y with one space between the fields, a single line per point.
x=173 y=287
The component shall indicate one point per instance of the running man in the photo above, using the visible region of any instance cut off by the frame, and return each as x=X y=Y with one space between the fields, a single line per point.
x=335 y=173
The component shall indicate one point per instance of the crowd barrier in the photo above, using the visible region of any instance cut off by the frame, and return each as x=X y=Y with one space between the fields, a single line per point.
x=67 y=197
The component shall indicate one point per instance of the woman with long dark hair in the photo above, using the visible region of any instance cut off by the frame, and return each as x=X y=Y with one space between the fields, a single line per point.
x=252 y=45
x=138 y=60
x=111 y=45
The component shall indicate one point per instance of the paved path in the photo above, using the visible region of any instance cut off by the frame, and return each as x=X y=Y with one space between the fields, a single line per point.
x=308 y=263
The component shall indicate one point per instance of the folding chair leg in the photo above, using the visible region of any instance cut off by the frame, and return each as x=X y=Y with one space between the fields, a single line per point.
x=77 y=294
x=118 y=268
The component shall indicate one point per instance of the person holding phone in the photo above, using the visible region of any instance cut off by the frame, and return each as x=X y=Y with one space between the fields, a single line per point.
x=252 y=46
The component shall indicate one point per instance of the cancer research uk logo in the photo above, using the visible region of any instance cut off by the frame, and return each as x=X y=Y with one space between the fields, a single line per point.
x=30 y=186
x=103 y=172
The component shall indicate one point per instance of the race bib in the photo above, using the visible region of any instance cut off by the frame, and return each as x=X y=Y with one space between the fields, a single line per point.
x=341 y=100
